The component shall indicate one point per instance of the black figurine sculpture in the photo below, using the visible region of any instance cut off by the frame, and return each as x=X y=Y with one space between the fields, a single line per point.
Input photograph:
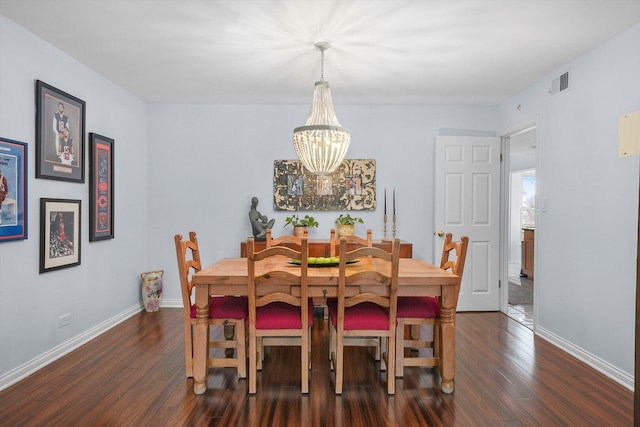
x=259 y=223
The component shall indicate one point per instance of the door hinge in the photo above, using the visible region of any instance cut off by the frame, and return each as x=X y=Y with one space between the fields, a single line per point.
x=500 y=156
x=499 y=284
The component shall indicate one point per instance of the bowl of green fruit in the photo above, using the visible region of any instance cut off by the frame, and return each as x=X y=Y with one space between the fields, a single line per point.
x=322 y=261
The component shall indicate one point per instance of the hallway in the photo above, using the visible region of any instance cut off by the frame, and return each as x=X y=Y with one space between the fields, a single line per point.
x=520 y=297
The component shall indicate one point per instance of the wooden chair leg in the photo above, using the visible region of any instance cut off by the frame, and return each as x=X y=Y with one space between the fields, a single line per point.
x=188 y=349
x=400 y=348
x=339 y=364
x=304 y=361
x=309 y=352
x=260 y=350
x=241 y=350
x=415 y=332
x=253 y=364
x=391 y=364
x=437 y=341
x=332 y=343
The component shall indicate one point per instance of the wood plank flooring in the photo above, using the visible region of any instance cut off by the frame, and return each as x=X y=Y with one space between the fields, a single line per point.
x=133 y=375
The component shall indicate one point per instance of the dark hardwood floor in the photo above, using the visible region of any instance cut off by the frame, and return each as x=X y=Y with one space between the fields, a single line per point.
x=133 y=375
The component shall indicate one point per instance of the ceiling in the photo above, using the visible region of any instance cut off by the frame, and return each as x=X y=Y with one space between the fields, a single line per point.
x=382 y=51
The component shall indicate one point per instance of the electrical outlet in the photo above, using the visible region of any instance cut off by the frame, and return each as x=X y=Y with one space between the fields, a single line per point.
x=64 y=320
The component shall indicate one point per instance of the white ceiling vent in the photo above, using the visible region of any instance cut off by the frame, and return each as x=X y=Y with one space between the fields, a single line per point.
x=560 y=84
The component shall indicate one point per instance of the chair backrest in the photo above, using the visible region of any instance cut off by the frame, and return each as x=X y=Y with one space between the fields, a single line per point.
x=269 y=284
x=334 y=242
x=188 y=255
x=285 y=240
x=460 y=249
x=386 y=274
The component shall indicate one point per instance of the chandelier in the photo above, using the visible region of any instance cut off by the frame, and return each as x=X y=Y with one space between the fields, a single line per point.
x=322 y=142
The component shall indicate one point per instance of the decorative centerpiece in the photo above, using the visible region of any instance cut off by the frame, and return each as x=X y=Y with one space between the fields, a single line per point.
x=300 y=226
x=345 y=225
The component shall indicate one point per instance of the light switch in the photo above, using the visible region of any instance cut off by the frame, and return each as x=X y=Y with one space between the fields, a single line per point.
x=544 y=205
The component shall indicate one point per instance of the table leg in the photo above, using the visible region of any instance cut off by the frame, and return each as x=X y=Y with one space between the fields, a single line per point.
x=201 y=340
x=448 y=336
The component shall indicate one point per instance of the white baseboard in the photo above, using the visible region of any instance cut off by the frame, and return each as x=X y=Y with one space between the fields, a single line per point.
x=596 y=363
x=171 y=303
x=57 y=352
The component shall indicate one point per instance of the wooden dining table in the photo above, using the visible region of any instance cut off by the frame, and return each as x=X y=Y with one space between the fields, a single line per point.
x=415 y=278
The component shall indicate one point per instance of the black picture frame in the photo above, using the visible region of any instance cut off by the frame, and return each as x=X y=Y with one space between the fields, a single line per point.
x=59 y=157
x=101 y=199
x=60 y=233
x=13 y=190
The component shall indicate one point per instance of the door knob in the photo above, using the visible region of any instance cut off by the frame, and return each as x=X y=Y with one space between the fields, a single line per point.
x=440 y=233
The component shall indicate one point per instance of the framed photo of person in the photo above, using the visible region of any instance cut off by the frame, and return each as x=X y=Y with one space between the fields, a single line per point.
x=59 y=233
x=13 y=190
x=60 y=121
x=100 y=187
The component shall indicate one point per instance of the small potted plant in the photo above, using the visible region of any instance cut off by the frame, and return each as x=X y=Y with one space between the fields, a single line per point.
x=345 y=224
x=300 y=225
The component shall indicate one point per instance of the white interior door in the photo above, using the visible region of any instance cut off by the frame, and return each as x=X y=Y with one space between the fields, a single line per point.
x=467 y=202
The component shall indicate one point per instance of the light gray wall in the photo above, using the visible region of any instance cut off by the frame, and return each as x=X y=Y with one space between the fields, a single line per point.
x=586 y=241
x=106 y=283
x=206 y=163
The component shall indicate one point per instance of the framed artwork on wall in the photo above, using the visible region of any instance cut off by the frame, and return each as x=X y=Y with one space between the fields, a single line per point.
x=350 y=187
x=60 y=120
x=59 y=233
x=100 y=187
x=13 y=190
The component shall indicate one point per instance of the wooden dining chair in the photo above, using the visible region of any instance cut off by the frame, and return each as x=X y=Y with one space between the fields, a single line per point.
x=418 y=311
x=288 y=240
x=334 y=241
x=352 y=243
x=223 y=311
x=280 y=311
x=360 y=313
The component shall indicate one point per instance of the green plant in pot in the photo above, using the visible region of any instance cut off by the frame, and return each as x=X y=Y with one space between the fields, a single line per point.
x=345 y=224
x=300 y=225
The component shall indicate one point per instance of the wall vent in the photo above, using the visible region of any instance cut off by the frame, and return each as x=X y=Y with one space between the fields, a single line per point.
x=559 y=84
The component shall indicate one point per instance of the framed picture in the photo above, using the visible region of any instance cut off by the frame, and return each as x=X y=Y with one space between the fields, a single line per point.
x=350 y=187
x=59 y=233
x=60 y=119
x=100 y=187
x=13 y=190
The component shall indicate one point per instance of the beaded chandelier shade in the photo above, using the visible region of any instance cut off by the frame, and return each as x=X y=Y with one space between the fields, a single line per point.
x=322 y=142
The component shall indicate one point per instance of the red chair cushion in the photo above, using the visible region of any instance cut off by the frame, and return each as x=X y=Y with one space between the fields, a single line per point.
x=280 y=315
x=366 y=315
x=226 y=308
x=418 y=307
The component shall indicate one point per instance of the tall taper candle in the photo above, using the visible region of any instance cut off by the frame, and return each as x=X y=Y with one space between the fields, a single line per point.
x=394 y=202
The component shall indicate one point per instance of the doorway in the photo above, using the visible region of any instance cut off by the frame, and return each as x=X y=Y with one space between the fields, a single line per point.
x=520 y=231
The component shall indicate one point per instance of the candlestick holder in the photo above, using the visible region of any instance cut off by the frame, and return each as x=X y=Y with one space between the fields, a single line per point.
x=384 y=230
x=393 y=228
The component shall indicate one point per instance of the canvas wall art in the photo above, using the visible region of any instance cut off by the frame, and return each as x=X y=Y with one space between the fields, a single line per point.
x=351 y=187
